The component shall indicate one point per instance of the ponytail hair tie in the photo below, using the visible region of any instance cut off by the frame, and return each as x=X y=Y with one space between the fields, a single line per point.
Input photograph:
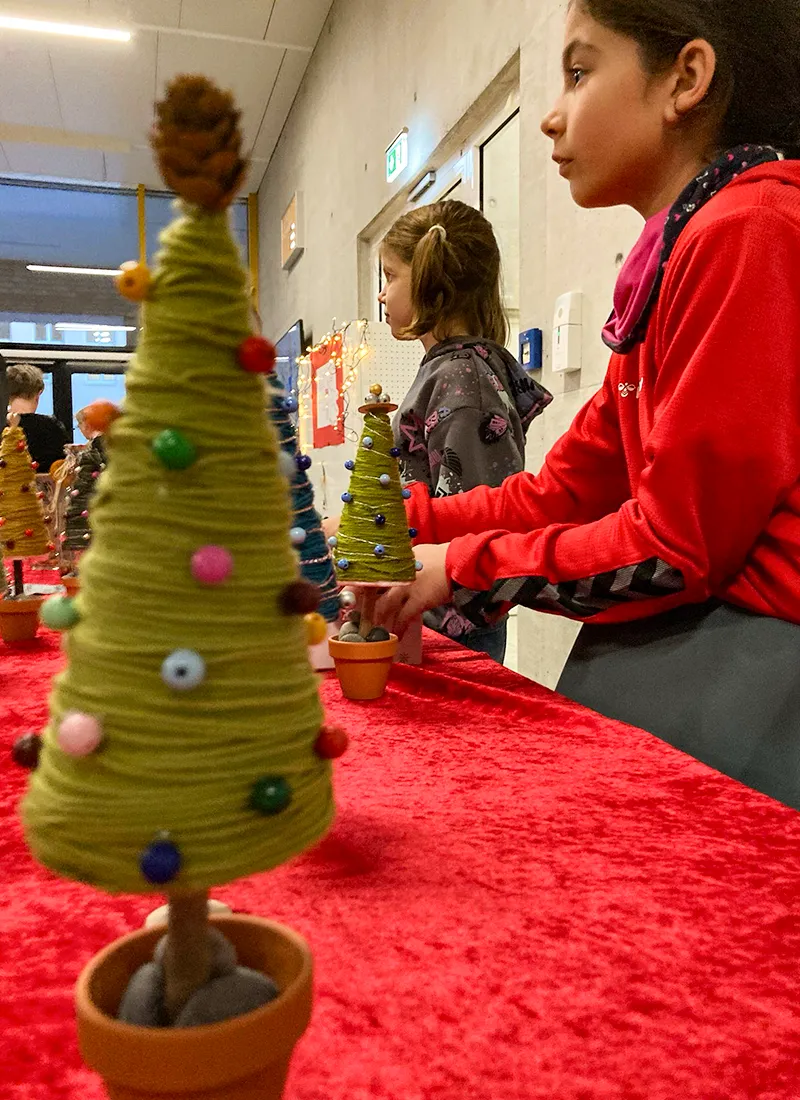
x=440 y=229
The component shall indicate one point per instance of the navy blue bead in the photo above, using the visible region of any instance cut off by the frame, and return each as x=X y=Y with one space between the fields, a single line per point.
x=395 y=452
x=350 y=465
x=343 y=564
x=347 y=497
x=406 y=494
x=290 y=404
x=303 y=463
x=379 y=551
x=380 y=521
x=412 y=532
x=160 y=863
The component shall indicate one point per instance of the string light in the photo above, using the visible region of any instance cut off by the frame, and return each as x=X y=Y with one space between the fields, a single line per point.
x=345 y=360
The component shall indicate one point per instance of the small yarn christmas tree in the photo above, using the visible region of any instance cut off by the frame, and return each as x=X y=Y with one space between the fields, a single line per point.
x=186 y=745
x=22 y=528
x=91 y=463
x=373 y=545
x=306 y=534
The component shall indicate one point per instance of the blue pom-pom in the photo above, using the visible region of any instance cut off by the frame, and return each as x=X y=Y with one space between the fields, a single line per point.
x=385 y=480
x=368 y=442
x=395 y=452
x=343 y=564
x=379 y=551
x=347 y=498
x=406 y=494
x=412 y=532
x=290 y=404
x=303 y=463
x=160 y=863
x=350 y=465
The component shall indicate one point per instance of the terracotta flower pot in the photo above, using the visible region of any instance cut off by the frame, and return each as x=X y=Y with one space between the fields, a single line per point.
x=246 y=1058
x=72 y=584
x=19 y=619
x=363 y=667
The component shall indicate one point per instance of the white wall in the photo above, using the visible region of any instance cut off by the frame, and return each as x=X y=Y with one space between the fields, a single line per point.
x=384 y=64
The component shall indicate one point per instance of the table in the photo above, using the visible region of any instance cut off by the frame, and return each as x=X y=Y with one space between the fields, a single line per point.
x=519 y=900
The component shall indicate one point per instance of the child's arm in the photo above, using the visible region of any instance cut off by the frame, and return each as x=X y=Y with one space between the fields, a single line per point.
x=724 y=451
x=583 y=478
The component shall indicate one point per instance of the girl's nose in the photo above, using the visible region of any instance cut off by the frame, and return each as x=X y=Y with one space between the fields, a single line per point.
x=552 y=124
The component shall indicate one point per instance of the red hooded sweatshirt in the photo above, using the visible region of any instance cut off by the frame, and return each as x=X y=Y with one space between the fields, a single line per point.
x=679 y=480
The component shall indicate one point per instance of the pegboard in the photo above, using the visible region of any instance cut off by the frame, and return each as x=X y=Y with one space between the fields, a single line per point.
x=393 y=363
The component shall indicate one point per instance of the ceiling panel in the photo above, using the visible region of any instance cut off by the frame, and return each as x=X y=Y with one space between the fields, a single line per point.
x=130 y=169
x=27 y=90
x=69 y=11
x=249 y=71
x=106 y=90
x=286 y=87
x=248 y=20
x=298 y=22
x=55 y=161
x=162 y=13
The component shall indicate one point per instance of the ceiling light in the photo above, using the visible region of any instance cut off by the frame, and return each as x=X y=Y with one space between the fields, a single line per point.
x=74 y=270
x=74 y=326
x=74 y=30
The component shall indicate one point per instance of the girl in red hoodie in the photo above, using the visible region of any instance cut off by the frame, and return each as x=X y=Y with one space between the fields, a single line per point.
x=667 y=519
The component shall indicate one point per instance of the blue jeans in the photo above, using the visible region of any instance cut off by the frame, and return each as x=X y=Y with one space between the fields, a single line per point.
x=490 y=640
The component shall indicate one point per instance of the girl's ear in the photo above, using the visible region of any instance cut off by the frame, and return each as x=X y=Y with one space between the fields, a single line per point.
x=690 y=79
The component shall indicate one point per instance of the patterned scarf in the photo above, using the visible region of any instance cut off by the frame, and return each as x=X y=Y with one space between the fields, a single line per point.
x=639 y=283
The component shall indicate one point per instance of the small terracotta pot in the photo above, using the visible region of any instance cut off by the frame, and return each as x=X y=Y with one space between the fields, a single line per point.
x=72 y=584
x=246 y=1058
x=363 y=667
x=19 y=619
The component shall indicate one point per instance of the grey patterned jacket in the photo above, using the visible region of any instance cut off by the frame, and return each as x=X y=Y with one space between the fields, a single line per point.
x=463 y=424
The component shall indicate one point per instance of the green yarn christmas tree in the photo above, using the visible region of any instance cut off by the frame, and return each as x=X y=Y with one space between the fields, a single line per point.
x=186 y=745
x=373 y=545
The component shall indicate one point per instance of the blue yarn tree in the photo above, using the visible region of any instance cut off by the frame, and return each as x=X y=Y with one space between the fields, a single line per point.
x=306 y=534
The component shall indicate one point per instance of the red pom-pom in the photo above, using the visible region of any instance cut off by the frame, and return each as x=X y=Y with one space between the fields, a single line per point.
x=28 y=532
x=34 y=465
x=21 y=446
x=331 y=743
x=257 y=355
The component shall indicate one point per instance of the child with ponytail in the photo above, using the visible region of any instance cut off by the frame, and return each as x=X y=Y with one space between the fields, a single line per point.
x=463 y=422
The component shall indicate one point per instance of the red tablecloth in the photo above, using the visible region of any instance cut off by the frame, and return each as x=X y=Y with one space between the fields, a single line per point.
x=519 y=900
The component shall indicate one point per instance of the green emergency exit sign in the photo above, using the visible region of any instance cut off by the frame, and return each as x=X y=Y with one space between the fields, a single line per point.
x=397 y=156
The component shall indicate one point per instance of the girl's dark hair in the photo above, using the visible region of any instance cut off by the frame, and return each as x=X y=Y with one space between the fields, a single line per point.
x=756 y=90
x=455 y=270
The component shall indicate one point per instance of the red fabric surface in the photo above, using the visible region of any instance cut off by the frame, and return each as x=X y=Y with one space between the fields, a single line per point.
x=519 y=900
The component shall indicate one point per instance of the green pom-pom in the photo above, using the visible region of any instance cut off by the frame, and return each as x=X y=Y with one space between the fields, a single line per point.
x=59 y=613
x=174 y=450
x=270 y=795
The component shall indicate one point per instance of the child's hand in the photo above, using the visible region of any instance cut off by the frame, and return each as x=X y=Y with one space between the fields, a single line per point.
x=399 y=606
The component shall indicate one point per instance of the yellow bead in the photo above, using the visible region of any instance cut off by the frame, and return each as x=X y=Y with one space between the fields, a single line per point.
x=316 y=628
x=377 y=389
x=133 y=281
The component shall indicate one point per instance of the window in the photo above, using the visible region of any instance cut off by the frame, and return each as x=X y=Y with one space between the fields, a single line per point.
x=160 y=211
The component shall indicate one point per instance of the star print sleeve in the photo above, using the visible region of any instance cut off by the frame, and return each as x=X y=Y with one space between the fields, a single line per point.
x=721 y=455
x=472 y=447
x=583 y=478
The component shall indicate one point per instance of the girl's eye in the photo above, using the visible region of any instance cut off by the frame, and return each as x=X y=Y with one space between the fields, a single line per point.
x=577 y=75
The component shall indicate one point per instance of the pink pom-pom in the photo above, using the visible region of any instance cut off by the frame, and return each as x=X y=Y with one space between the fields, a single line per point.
x=212 y=564
x=79 y=734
